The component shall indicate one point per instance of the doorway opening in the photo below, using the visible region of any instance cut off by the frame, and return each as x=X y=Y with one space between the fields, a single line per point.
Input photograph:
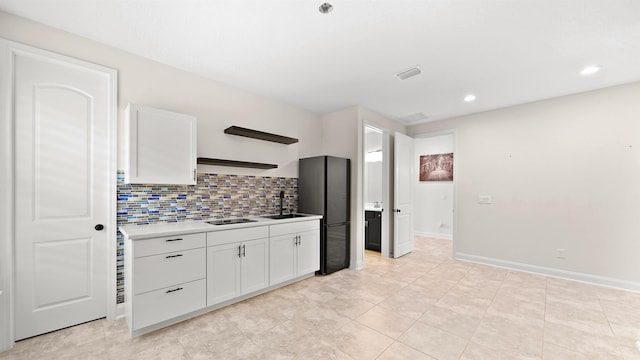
x=376 y=189
x=435 y=195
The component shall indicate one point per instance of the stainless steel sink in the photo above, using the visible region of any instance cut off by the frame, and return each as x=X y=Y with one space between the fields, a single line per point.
x=230 y=221
x=284 y=216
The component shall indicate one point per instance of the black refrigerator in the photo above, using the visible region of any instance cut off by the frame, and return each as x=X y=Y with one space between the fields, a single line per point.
x=324 y=188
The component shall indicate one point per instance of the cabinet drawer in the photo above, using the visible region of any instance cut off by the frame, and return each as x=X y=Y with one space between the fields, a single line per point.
x=168 y=244
x=236 y=235
x=295 y=227
x=164 y=304
x=159 y=271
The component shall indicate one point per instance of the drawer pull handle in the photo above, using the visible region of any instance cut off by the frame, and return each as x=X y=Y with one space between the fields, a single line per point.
x=173 y=290
x=169 y=240
x=173 y=256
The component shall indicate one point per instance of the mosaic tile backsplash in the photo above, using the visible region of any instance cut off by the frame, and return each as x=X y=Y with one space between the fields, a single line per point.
x=214 y=196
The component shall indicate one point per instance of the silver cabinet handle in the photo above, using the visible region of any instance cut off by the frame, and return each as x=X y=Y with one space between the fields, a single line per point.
x=169 y=240
x=173 y=256
x=244 y=250
x=174 y=290
x=239 y=251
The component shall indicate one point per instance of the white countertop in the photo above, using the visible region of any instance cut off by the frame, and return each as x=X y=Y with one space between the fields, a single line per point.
x=371 y=208
x=137 y=232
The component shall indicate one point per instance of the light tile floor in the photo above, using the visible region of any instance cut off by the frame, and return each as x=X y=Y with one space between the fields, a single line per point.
x=422 y=306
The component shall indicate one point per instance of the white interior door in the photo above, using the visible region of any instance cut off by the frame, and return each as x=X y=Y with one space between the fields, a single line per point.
x=403 y=185
x=62 y=114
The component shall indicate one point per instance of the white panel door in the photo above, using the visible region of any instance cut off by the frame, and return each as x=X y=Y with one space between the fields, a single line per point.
x=403 y=184
x=255 y=265
x=62 y=192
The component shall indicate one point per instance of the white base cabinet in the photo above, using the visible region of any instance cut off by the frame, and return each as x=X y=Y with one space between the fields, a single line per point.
x=165 y=277
x=294 y=250
x=237 y=263
x=168 y=279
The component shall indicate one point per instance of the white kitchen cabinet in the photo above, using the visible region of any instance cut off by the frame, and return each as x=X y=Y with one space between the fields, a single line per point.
x=308 y=260
x=294 y=250
x=282 y=258
x=165 y=279
x=160 y=146
x=223 y=272
x=237 y=263
x=176 y=271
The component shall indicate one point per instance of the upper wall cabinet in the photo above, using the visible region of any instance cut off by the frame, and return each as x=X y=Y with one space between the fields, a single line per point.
x=160 y=147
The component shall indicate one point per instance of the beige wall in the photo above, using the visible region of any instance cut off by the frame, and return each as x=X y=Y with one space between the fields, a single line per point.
x=342 y=135
x=563 y=174
x=217 y=106
x=433 y=208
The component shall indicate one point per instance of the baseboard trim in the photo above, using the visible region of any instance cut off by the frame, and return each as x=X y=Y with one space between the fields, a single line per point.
x=359 y=265
x=434 y=235
x=557 y=273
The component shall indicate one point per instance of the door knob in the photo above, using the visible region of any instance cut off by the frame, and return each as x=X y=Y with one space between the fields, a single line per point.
x=99 y=227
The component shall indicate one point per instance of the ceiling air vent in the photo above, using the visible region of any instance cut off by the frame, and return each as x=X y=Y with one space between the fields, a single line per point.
x=410 y=119
x=404 y=75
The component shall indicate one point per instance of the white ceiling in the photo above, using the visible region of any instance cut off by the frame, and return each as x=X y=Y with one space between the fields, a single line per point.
x=506 y=52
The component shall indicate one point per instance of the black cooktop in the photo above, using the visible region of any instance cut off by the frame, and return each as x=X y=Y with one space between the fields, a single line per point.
x=230 y=221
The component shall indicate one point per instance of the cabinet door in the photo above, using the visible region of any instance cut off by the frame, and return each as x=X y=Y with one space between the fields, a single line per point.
x=282 y=257
x=161 y=147
x=375 y=232
x=255 y=265
x=223 y=273
x=308 y=252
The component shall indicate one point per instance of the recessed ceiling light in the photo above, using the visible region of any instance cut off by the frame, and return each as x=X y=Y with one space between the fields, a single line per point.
x=469 y=98
x=591 y=69
x=325 y=8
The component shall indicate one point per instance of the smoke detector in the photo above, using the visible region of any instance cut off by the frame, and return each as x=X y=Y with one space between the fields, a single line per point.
x=404 y=75
x=325 y=8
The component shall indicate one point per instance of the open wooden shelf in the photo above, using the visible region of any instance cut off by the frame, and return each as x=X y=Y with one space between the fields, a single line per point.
x=235 y=163
x=260 y=135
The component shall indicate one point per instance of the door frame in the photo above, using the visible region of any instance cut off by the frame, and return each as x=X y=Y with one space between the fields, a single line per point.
x=387 y=161
x=456 y=160
x=8 y=50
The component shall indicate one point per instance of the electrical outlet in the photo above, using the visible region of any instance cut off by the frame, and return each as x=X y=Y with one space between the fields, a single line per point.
x=484 y=199
x=560 y=253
